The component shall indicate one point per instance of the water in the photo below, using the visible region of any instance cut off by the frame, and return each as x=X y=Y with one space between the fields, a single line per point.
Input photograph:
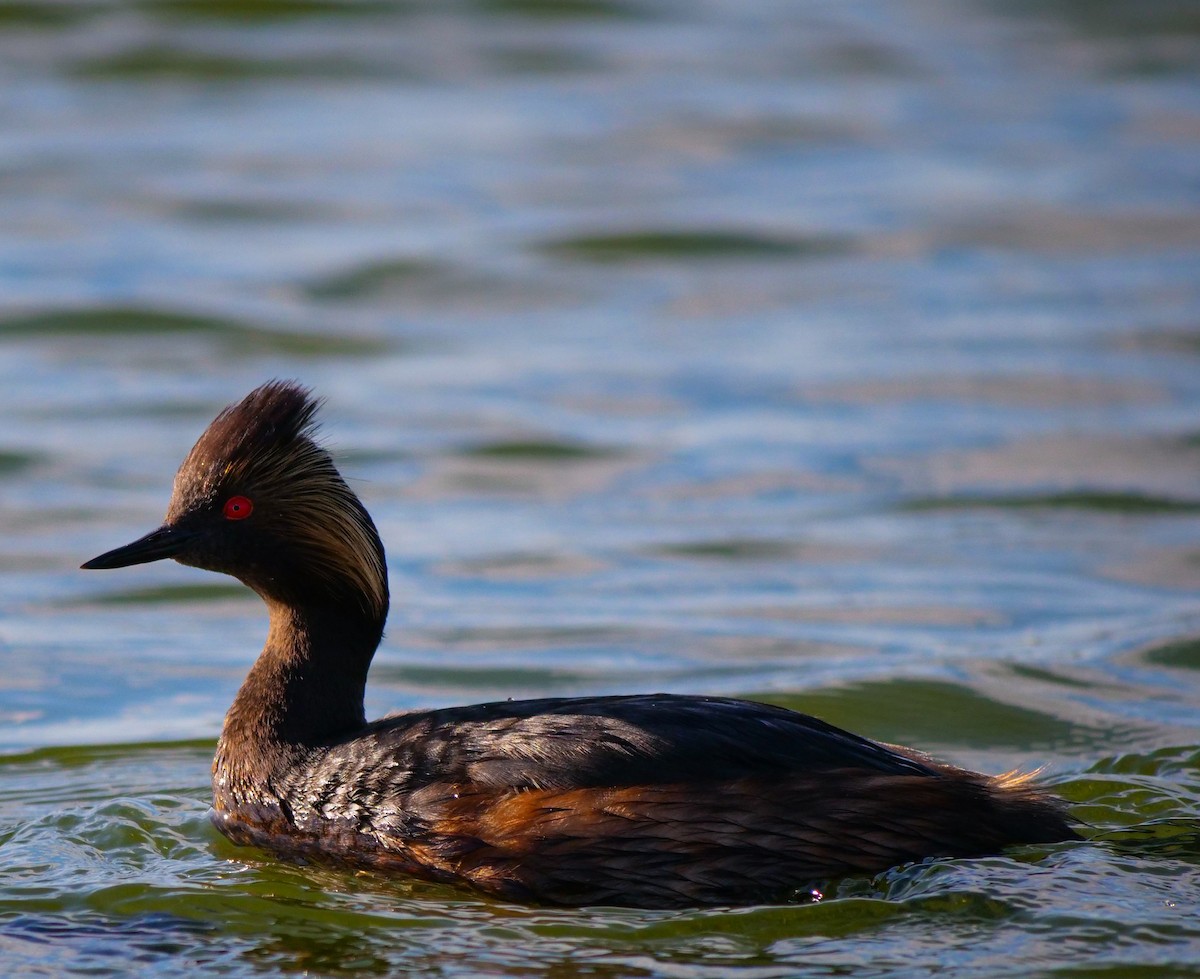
x=840 y=355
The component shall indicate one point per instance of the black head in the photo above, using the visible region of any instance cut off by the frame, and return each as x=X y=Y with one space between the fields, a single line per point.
x=259 y=499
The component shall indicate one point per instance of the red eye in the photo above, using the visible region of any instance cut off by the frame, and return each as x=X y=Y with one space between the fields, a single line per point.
x=238 y=508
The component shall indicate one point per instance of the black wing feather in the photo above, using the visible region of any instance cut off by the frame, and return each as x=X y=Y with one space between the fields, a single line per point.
x=591 y=742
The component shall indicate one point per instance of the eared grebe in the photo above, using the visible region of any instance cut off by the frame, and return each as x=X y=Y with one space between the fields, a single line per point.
x=650 y=800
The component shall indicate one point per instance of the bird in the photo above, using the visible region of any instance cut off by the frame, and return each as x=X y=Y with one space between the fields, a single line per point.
x=641 y=800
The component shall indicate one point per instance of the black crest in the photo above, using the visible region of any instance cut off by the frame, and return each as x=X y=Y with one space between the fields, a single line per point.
x=271 y=418
x=254 y=442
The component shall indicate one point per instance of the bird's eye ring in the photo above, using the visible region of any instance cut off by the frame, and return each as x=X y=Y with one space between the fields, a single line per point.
x=237 y=508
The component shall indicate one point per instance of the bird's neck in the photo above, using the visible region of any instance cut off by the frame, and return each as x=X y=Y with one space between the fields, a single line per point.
x=305 y=690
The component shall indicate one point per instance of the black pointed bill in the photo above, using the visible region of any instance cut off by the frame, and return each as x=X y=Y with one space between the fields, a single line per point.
x=167 y=541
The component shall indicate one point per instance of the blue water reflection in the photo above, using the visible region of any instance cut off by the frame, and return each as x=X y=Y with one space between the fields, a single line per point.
x=845 y=355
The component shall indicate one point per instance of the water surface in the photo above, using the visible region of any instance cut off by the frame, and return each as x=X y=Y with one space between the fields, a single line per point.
x=844 y=356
